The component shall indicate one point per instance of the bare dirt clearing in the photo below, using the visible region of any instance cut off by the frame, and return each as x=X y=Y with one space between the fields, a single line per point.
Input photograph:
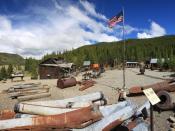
x=107 y=83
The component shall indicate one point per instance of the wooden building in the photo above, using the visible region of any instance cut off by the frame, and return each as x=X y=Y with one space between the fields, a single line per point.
x=54 y=68
x=132 y=64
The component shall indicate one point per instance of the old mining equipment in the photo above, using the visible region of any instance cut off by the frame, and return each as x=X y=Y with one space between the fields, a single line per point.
x=68 y=82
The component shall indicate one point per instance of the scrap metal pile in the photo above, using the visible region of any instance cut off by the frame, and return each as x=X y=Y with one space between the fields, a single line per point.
x=28 y=91
x=69 y=82
x=84 y=113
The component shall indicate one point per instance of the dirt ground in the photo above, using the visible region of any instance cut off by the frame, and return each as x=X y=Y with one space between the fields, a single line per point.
x=109 y=81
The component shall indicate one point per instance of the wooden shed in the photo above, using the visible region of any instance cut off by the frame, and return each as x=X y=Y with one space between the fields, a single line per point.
x=53 y=68
x=132 y=64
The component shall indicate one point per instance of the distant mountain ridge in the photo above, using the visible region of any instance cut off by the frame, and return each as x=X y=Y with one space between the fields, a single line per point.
x=8 y=58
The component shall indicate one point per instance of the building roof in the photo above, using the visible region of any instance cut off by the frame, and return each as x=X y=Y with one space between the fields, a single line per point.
x=63 y=65
x=131 y=62
x=53 y=61
x=86 y=63
x=153 y=61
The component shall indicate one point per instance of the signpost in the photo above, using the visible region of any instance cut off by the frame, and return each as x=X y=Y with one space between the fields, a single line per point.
x=153 y=99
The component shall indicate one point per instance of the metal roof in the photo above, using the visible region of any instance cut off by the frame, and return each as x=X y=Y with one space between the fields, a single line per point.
x=130 y=62
x=86 y=63
x=63 y=65
x=154 y=61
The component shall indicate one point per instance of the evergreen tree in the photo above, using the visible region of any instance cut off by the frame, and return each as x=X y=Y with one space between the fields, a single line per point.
x=9 y=70
x=136 y=50
x=3 y=73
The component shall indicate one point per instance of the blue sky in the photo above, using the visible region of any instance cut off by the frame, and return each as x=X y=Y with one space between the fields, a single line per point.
x=36 y=27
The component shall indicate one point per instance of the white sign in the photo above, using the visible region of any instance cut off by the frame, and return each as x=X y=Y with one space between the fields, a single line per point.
x=151 y=95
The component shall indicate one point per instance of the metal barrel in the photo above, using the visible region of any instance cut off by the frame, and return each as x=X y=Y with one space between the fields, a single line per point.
x=64 y=83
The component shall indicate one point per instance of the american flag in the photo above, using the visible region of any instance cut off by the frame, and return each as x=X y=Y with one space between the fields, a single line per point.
x=116 y=19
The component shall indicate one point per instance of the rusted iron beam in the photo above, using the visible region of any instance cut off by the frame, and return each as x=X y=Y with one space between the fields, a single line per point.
x=7 y=114
x=87 y=81
x=66 y=120
x=64 y=83
x=167 y=85
x=87 y=85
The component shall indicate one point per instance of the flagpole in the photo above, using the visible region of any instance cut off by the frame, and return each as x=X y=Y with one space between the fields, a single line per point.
x=124 y=49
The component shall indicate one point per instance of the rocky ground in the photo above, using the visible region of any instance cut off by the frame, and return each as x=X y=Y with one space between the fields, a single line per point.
x=107 y=83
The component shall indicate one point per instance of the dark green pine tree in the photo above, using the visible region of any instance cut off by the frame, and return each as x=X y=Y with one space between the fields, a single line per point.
x=9 y=70
x=3 y=73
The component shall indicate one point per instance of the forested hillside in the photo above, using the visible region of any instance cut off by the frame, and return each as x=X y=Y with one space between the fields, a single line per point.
x=136 y=50
x=14 y=59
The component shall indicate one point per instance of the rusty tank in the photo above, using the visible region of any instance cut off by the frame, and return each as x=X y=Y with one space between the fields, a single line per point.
x=66 y=82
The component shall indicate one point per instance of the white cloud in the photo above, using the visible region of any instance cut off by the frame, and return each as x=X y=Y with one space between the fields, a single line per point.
x=90 y=8
x=155 y=31
x=5 y=24
x=60 y=30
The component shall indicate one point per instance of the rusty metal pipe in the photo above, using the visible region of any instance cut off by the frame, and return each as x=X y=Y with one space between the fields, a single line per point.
x=145 y=105
x=7 y=114
x=167 y=85
x=117 y=118
x=20 y=115
x=166 y=101
x=113 y=115
x=48 y=110
x=66 y=120
x=100 y=102
x=92 y=97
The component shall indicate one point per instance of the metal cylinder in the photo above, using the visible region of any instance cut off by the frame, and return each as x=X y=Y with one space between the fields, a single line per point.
x=64 y=83
x=100 y=102
x=91 y=97
x=73 y=119
x=48 y=110
x=20 y=115
x=6 y=114
x=166 y=101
